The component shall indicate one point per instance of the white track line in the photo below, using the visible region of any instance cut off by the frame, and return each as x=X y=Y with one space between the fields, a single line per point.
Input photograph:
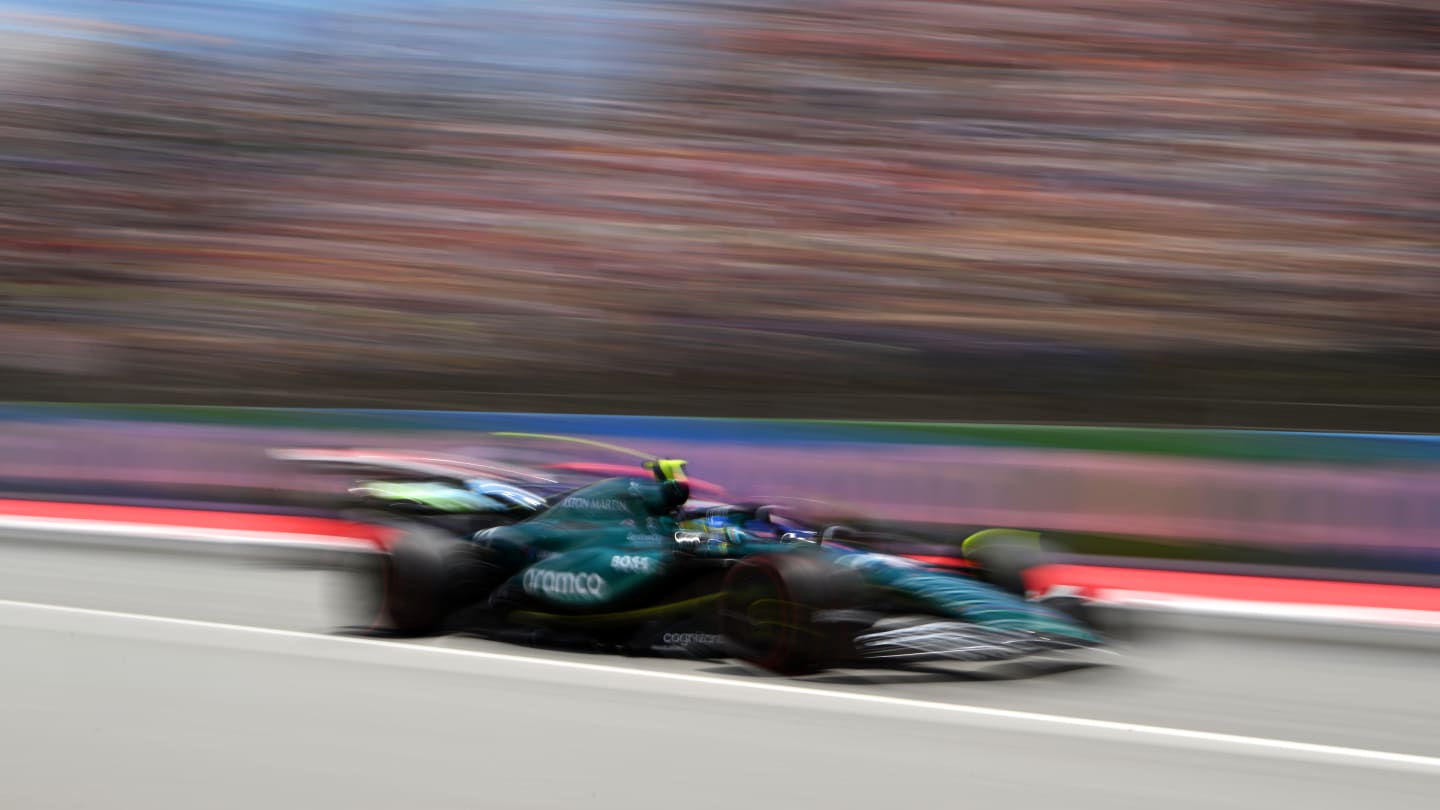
x=1128 y=732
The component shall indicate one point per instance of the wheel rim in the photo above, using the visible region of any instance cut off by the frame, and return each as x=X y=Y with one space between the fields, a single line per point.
x=759 y=616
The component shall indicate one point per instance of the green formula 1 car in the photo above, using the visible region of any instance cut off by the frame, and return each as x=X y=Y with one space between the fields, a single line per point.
x=631 y=564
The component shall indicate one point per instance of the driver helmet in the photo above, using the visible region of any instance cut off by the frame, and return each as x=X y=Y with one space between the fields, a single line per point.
x=670 y=472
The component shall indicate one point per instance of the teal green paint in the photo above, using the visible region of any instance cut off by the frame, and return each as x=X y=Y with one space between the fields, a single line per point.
x=596 y=578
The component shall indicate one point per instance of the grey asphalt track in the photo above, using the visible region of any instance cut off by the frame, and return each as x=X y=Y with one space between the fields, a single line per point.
x=250 y=704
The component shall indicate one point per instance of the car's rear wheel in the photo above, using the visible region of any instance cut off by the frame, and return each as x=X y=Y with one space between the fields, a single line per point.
x=426 y=576
x=767 y=611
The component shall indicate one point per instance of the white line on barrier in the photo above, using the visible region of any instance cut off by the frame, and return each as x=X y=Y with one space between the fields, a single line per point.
x=1130 y=732
x=1290 y=611
x=155 y=531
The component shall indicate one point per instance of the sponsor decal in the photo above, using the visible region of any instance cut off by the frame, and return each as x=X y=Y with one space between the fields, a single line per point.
x=632 y=563
x=683 y=639
x=595 y=504
x=563 y=583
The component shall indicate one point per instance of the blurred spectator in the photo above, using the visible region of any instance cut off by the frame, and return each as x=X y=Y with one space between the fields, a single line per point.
x=843 y=193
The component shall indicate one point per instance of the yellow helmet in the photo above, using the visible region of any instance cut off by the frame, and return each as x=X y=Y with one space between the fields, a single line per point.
x=667 y=469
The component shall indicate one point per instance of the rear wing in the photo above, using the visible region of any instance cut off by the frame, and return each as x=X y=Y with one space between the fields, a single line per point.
x=400 y=465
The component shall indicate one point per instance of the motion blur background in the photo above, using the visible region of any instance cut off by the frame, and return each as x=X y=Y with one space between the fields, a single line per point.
x=443 y=227
x=1136 y=211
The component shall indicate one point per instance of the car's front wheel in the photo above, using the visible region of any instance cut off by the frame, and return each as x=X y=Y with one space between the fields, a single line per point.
x=767 y=611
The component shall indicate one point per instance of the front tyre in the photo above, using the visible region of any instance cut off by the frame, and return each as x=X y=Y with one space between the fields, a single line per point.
x=767 y=612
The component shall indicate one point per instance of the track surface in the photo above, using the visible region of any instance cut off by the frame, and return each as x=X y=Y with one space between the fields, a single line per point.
x=125 y=711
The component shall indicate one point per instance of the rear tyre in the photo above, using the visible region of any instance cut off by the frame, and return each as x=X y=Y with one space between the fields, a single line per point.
x=427 y=576
x=767 y=612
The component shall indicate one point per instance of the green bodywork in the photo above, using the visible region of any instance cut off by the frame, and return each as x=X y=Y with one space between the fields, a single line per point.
x=610 y=549
x=598 y=548
x=598 y=578
x=959 y=597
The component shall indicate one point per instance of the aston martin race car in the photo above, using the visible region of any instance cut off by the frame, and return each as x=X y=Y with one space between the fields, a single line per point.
x=632 y=564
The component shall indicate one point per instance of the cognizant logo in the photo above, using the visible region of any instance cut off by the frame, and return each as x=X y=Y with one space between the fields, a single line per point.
x=711 y=639
x=563 y=583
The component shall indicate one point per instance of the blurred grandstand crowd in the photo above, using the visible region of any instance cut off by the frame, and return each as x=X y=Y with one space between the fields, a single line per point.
x=1135 y=210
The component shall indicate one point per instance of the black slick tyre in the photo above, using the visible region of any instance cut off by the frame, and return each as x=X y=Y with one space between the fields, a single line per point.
x=427 y=576
x=767 y=611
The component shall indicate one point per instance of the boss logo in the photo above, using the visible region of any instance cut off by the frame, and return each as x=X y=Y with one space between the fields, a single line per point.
x=632 y=564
